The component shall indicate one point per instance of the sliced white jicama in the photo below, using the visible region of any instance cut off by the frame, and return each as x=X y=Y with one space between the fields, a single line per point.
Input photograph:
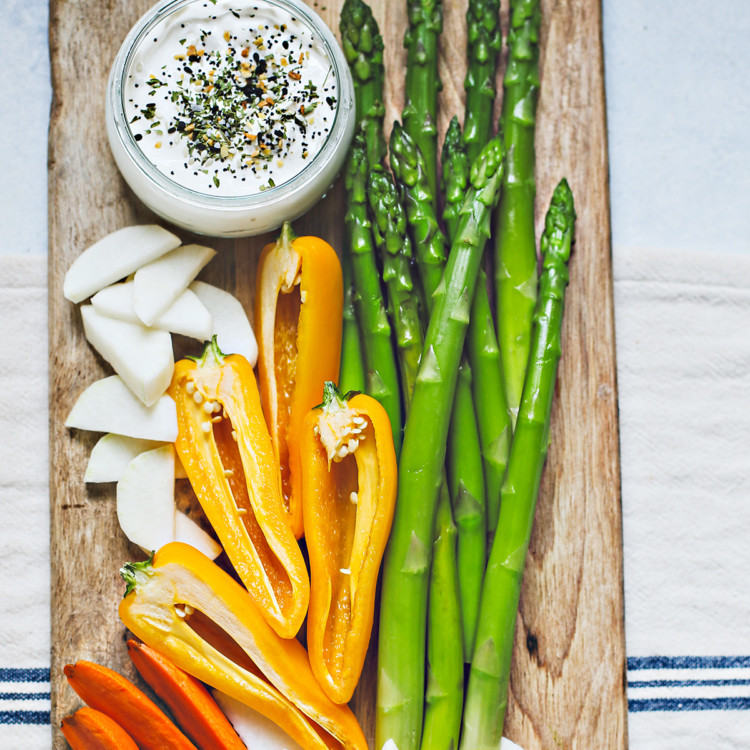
x=231 y=326
x=188 y=316
x=254 y=729
x=179 y=469
x=108 y=405
x=111 y=455
x=189 y=532
x=145 y=499
x=142 y=357
x=159 y=284
x=115 y=256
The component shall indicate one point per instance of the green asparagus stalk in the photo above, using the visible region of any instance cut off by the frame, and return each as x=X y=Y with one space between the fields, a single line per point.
x=493 y=417
x=455 y=178
x=483 y=42
x=467 y=492
x=445 y=654
x=515 y=246
x=363 y=49
x=406 y=570
x=445 y=665
x=423 y=82
x=394 y=244
x=380 y=361
x=487 y=694
x=464 y=463
x=352 y=368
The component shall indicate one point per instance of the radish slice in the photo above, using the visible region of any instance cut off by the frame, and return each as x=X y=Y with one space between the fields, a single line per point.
x=188 y=316
x=189 y=532
x=108 y=405
x=231 y=326
x=145 y=499
x=142 y=357
x=160 y=283
x=254 y=729
x=111 y=455
x=115 y=256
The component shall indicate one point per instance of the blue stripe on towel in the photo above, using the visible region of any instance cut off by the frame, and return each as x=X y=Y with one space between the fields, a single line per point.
x=24 y=717
x=24 y=696
x=24 y=674
x=688 y=662
x=685 y=683
x=689 y=704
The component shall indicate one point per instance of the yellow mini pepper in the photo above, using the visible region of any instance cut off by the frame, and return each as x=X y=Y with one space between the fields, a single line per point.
x=349 y=491
x=224 y=445
x=298 y=320
x=193 y=613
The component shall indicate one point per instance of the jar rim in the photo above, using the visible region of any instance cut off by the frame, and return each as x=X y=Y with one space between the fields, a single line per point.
x=115 y=105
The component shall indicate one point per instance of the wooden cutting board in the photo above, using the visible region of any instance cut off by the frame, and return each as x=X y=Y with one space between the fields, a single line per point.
x=569 y=661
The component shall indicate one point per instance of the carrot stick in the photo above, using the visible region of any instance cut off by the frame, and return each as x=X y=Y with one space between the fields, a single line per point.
x=192 y=705
x=110 y=693
x=88 y=729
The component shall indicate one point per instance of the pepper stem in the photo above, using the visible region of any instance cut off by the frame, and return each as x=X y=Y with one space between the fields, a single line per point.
x=135 y=573
x=287 y=235
x=212 y=356
x=333 y=398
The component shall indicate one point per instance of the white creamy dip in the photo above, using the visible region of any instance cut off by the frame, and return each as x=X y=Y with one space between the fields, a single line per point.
x=230 y=98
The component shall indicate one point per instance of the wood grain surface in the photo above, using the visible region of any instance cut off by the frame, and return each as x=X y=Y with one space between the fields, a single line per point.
x=569 y=663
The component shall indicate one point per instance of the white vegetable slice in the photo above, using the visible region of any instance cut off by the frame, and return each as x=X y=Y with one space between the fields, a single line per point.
x=142 y=357
x=159 y=284
x=111 y=455
x=231 y=326
x=188 y=316
x=179 y=469
x=108 y=405
x=254 y=729
x=145 y=499
x=115 y=256
x=189 y=532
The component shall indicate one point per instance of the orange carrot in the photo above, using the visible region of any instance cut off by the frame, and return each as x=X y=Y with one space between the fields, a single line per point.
x=192 y=705
x=88 y=729
x=110 y=693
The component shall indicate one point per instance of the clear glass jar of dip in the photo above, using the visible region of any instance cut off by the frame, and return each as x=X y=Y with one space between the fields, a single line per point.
x=191 y=152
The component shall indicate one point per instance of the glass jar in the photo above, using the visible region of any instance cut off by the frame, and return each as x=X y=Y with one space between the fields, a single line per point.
x=197 y=209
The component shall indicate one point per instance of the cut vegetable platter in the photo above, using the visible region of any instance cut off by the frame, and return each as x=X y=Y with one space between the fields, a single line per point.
x=567 y=684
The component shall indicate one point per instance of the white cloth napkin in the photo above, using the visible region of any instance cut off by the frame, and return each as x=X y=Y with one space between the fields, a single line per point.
x=683 y=342
x=683 y=355
x=24 y=505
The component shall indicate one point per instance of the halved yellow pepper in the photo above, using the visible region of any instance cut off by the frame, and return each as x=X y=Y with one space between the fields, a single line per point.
x=188 y=609
x=349 y=495
x=224 y=445
x=298 y=320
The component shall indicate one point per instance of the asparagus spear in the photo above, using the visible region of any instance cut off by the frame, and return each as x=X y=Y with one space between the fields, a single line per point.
x=422 y=81
x=445 y=665
x=392 y=240
x=484 y=357
x=352 y=368
x=487 y=694
x=403 y=610
x=363 y=49
x=467 y=492
x=456 y=166
x=382 y=375
x=483 y=41
x=465 y=470
x=515 y=247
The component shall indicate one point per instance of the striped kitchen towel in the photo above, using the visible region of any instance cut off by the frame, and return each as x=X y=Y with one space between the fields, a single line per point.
x=24 y=506
x=683 y=353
